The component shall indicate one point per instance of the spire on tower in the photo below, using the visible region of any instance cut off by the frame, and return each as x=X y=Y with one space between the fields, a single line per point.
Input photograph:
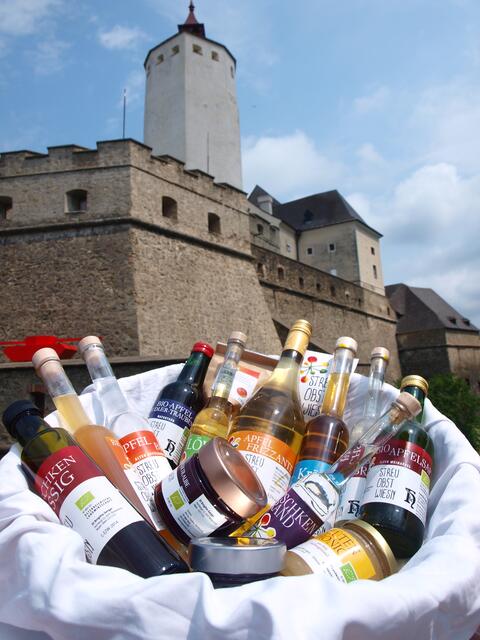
x=191 y=24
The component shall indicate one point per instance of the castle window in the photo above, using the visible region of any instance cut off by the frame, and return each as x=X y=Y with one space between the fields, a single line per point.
x=214 y=223
x=5 y=205
x=197 y=49
x=76 y=201
x=175 y=50
x=289 y=248
x=215 y=56
x=307 y=216
x=372 y=250
x=332 y=291
x=281 y=273
x=160 y=58
x=260 y=228
x=273 y=231
x=309 y=251
x=331 y=247
x=452 y=319
x=169 y=208
x=466 y=321
x=375 y=272
x=318 y=287
x=347 y=295
x=232 y=73
x=261 y=269
x=301 y=282
x=388 y=311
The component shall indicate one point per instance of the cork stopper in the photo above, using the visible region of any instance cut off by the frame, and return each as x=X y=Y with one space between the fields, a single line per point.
x=380 y=352
x=346 y=343
x=409 y=405
x=87 y=341
x=298 y=336
x=44 y=355
x=415 y=381
x=239 y=337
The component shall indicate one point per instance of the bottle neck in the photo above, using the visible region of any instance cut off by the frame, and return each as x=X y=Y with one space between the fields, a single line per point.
x=106 y=385
x=419 y=394
x=335 y=397
x=27 y=426
x=195 y=369
x=286 y=371
x=224 y=379
x=376 y=379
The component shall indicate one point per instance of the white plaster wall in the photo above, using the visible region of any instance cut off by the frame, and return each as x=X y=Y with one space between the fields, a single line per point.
x=366 y=260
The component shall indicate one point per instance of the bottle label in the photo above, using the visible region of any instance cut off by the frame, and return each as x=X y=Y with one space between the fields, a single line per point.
x=298 y=513
x=194 y=443
x=243 y=386
x=188 y=505
x=400 y=474
x=271 y=459
x=83 y=498
x=351 y=495
x=150 y=466
x=337 y=555
x=171 y=421
x=304 y=468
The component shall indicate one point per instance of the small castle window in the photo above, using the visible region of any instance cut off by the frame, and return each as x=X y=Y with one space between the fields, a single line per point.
x=76 y=201
x=261 y=269
x=372 y=250
x=466 y=321
x=388 y=311
x=375 y=272
x=347 y=295
x=214 y=223
x=301 y=282
x=307 y=216
x=452 y=319
x=169 y=208
x=331 y=247
x=160 y=58
x=332 y=291
x=197 y=49
x=215 y=56
x=281 y=273
x=175 y=50
x=309 y=251
x=6 y=204
x=260 y=228
x=232 y=73
x=319 y=287
x=289 y=248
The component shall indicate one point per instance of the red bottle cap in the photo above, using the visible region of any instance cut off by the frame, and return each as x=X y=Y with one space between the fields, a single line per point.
x=204 y=347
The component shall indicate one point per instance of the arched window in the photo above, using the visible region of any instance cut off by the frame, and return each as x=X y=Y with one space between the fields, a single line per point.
x=281 y=273
x=76 y=201
x=261 y=269
x=169 y=208
x=6 y=204
x=214 y=223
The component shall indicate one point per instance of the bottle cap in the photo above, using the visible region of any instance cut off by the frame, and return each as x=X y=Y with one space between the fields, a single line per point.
x=298 y=336
x=380 y=352
x=414 y=381
x=238 y=336
x=232 y=477
x=384 y=553
x=15 y=410
x=87 y=341
x=236 y=556
x=203 y=347
x=408 y=404
x=347 y=343
x=44 y=355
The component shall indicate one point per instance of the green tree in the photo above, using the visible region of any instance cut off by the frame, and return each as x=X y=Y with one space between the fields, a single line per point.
x=454 y=398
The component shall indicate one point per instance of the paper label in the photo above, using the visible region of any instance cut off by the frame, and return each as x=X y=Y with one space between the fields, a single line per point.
x=399 y=474
x=304 y=468
x=171 y=421
x=337 y=555
x=194 y=443
x=83 y=499
x=188 y=505
x=351 y=495
x=244 y=384
x=271 y=459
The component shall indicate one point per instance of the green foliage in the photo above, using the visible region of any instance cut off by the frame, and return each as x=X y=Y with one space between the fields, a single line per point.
x=454 y=398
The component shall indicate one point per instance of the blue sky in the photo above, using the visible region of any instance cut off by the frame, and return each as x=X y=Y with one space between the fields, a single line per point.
x=379 y=99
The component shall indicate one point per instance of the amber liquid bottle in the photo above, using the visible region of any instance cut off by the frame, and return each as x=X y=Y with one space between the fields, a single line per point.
x=398 y=481
x=326 y=436
x=114 y=533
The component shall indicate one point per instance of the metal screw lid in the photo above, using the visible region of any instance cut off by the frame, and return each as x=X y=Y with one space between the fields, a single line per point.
x=380 y=352
x=346 y=343
x=236 y=556
x=408 y=404
x=414 y=381
x=87 y=341
x=386 y=557
x=298 y=336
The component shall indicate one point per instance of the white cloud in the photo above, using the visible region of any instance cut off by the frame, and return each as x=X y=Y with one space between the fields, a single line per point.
x=49 y=57
x=288 y=166
x=121 y=37
x=367 y=153
x=24 y=17
x=372 y=102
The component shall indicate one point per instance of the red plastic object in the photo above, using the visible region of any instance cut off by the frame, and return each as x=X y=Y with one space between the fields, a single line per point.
x=23 y=350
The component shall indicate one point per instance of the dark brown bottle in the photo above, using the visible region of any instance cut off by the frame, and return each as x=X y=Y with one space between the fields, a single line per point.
x=398 y=482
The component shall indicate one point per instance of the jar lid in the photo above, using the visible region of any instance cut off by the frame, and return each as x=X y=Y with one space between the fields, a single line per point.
x=415 y=381
x=232 y=478
x=346 y=343
x=377 y=539
x=204 y=347
x=380 y=352
x=87 y=341
x=236 y=556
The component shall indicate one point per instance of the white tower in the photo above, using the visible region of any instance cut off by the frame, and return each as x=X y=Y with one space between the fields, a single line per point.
x=191 y=108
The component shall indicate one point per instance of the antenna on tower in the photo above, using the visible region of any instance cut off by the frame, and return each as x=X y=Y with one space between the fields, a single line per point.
x=124 y=111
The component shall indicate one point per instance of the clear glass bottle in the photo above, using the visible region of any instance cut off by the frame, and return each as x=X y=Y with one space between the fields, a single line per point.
x=214 y=419
x=326 y=436
x=269 y=428
x=133 y=430
x=352 y=491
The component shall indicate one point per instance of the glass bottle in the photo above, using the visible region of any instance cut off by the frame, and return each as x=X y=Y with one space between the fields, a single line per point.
x=214 y=419
x=133 y=430
x=398 y=482
x=352 y=492
x=296 y=516
x=68 y=480
x=269 y=428
x=178 y=403
x=98 y=441
x=326 y=436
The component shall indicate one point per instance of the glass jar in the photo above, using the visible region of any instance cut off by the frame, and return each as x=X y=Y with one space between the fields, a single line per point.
x=214 y=491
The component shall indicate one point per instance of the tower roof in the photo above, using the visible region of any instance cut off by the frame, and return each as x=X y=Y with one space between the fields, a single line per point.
x=191 y=24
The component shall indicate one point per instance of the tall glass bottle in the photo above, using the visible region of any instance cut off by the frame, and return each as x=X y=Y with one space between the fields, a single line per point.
x=352 y=491
x=133 y=430
x=214 y=419
x=178 y=403
x=114 y=533
x=397 y=488
x=98 y=441
x=326 y=436
x=269 y=428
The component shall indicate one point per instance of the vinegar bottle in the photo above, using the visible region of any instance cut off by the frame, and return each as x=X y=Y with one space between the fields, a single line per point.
x=114 y=533
x=326 y=436
x=214 y=419
x=99 y=442
x=269 y=428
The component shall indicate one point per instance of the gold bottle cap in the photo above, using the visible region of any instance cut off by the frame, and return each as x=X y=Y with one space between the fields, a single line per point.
x=408 y=404
x=232 y=478
x=86 y=342
x=44 y=355
x=415 y=381
x=299 y=336
x=346 y=343
x=238 y=336
x=380 y=352
x=389 y=562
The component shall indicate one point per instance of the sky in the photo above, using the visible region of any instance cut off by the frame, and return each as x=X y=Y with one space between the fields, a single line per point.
x=379 y=99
